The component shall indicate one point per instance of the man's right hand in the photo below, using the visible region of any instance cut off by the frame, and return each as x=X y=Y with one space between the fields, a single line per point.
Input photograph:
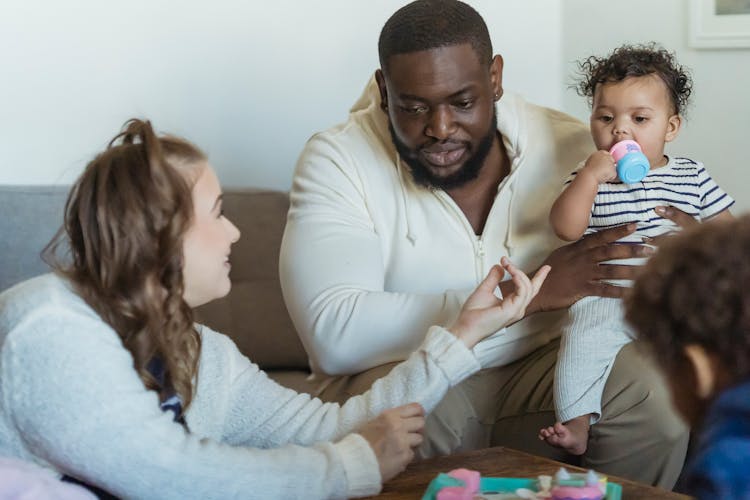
x=577 y=269
x=393 y=435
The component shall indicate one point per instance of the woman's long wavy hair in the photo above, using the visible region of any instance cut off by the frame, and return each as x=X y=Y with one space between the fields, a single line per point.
x=125 y=220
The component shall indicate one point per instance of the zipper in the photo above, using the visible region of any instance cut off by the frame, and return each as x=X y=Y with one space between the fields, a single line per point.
x=479 y=261
x=476 y=241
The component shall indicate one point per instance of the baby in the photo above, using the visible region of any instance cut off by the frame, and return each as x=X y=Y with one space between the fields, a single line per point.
x=691 y=308
x=636 y=93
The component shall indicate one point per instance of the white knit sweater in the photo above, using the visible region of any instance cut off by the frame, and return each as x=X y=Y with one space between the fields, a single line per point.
x=71 y=401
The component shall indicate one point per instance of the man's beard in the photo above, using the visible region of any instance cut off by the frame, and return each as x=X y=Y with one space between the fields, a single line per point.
x=468 y=171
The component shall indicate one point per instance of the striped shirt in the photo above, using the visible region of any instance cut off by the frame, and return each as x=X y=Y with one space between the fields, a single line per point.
x=681 y=183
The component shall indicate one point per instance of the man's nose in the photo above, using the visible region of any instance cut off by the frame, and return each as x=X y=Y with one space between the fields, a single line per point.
x=440 y=123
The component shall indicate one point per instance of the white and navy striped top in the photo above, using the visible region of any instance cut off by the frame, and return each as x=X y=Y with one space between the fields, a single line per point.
x=681 y=183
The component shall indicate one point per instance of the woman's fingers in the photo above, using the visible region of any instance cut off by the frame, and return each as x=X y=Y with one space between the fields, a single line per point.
x=410 y=410
x=519 y=278
x=538 y=280
x=526 y=289
x=484 y=313
x=489 y=283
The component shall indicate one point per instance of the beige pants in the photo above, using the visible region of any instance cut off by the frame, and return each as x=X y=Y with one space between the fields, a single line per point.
x=639 y=436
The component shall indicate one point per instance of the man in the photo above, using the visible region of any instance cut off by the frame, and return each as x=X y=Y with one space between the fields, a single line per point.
x=397 y=214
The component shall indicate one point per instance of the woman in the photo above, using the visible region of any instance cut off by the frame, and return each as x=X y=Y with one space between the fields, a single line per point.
x=106 y=380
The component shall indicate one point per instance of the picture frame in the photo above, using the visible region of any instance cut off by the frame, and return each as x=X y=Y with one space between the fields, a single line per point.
x=719 y=24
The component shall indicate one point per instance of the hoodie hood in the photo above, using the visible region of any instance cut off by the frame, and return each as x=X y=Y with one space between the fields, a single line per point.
x=509 y=124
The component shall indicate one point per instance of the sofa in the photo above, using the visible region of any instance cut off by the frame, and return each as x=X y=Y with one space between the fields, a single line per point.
x=253 y=314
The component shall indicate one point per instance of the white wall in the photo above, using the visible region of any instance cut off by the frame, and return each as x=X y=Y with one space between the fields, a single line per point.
x=248 y=81
x=718 y=127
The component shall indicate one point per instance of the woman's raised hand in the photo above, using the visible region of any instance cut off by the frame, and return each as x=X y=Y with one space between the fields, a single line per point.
x=484 y=313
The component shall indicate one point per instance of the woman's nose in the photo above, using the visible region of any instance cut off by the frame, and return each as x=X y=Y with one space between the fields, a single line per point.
x=234 y=233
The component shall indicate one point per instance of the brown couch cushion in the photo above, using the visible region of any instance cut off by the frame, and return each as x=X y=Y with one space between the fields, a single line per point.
x=254 y=314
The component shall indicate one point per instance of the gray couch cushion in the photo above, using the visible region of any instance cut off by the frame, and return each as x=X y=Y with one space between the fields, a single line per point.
x=254 y=311
x=31 y=215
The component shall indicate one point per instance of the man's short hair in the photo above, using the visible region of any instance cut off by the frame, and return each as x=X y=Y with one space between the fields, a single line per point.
x=430 y=24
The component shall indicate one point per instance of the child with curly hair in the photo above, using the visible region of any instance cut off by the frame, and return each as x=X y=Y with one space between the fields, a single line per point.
x=636 y=93
x=691 y=308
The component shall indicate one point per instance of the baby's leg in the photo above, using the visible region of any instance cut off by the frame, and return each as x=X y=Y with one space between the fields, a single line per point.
x=589 y=344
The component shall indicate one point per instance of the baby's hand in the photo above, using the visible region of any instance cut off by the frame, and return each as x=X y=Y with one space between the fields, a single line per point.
x=601 y=166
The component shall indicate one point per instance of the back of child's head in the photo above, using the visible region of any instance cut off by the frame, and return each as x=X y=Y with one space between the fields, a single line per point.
x=696 y=291
x=634 y=61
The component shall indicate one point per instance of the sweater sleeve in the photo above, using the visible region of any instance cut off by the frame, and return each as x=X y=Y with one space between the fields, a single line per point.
x=332 y=270
x=74 y=397
x=256 y=411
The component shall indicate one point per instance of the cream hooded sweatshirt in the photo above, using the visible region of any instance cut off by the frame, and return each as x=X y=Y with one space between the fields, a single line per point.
x=369 y=260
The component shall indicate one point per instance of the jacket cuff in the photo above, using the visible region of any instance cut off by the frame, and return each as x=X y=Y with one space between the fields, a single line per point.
x=456 y=360
x=360 y=465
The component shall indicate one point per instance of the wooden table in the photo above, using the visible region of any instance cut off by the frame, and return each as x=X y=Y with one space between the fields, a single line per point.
x=498 y=462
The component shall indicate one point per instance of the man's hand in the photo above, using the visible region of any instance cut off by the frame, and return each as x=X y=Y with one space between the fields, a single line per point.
x=677 y=216
x=683 y=220
x=577 y=269
x=392 y=435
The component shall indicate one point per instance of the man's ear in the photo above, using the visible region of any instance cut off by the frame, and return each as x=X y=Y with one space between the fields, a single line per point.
x=496 y=76
x=705 y=375
x=673 y=127
x=380 y=79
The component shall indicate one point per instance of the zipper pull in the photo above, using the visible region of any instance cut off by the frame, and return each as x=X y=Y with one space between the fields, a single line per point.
x=480 y=248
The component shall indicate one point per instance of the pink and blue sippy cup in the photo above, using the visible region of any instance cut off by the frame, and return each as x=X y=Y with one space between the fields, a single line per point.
x=632 y=164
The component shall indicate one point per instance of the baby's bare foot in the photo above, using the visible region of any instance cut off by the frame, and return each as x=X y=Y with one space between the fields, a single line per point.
x=572 y=436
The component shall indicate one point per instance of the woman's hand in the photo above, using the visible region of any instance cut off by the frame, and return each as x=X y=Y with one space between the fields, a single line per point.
x=393 y=435
x=483 y=313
